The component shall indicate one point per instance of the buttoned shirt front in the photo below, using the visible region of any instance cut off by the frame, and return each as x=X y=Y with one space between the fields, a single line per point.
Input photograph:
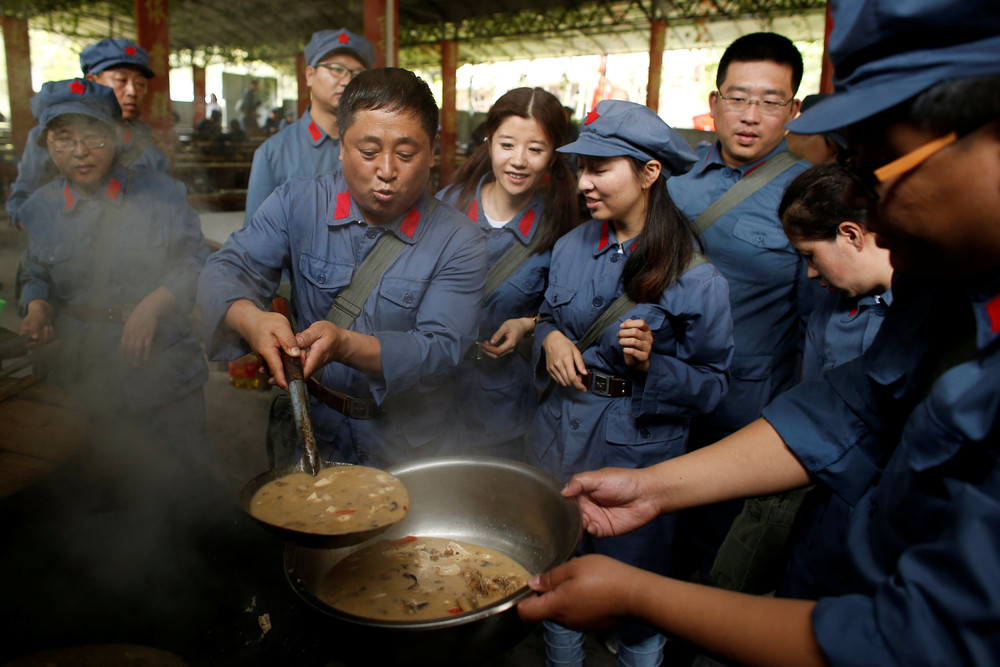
x=423 y=311
x=770 y=293
x=840 y=329
x=908 y=436
x=301 y=149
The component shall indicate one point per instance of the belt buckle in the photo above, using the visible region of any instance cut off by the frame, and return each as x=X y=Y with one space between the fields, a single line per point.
x=360 y=408
x=601 y=385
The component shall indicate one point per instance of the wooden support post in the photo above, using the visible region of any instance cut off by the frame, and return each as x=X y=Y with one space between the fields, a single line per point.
x=657 y=41
x=153 y=34
x=198 y=107
x=304 y=96
x=18 y=54
x=826 y=73
x=449 y=115
x=382 y=30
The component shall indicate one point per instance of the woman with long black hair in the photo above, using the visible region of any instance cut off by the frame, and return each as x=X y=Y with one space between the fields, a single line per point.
x=659 y=354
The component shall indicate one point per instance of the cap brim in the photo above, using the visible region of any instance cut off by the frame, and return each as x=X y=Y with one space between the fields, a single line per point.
x=585 y=145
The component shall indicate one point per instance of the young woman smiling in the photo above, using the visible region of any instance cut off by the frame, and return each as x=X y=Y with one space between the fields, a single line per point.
x=626 y=400
x=520 y=193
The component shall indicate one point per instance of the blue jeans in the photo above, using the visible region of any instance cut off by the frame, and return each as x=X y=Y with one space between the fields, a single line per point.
x=565 y=647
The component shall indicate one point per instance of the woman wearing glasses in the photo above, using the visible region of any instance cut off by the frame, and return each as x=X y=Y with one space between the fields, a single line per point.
x=110 y=273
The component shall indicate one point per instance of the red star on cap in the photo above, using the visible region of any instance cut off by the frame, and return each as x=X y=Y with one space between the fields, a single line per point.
x=343 y=38
x=76 y=87
x=592 y=115
x=130 y=50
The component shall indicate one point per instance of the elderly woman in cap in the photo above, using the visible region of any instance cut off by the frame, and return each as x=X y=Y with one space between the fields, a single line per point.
x=633 y=339
x=111 y=272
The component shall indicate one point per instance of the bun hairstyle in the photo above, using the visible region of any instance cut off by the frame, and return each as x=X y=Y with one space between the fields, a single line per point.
x=560 y=198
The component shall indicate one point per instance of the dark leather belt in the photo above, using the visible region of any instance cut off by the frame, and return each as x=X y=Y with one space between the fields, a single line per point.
x=358 y=408
x=113 y=314
x=608 y=386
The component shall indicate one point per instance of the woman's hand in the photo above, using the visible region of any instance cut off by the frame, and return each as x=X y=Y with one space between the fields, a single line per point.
x=37 y=323
x=636 y=340
x=506 y=338
x=136 y=342
x=563 y=360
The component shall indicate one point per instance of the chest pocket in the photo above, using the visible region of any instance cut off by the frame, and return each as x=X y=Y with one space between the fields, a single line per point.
x=760 y=233
x=528 y=282
x=559 y=298
x=141 y=234
x=323 y=274
x=398 y=301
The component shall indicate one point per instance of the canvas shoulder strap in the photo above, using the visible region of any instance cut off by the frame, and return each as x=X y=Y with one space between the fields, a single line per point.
x=510 y=261
x=348 y=304
x=622 y=305
x=748 y=185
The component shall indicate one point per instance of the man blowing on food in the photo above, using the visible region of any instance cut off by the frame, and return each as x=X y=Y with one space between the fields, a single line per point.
x=384 y=376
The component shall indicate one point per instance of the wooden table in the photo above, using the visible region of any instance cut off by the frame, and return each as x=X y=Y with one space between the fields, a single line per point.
x=40 y=427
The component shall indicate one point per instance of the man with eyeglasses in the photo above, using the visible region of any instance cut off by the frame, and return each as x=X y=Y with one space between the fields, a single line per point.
x=908 y=434
x=770 y=292
x=311 y=145
x=124 y=67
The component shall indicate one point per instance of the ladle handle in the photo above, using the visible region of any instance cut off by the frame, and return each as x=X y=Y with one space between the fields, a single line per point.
x=300 y=399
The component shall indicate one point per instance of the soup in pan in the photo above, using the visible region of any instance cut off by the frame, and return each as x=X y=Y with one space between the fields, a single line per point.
x=339 y=500
x=420 y=578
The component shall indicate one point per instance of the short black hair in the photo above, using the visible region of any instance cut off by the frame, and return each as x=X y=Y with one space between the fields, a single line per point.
x=813 y=205
x=392 y=89
x=762 y=46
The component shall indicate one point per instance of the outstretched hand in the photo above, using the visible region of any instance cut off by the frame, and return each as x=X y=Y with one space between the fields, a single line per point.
x=613 y=501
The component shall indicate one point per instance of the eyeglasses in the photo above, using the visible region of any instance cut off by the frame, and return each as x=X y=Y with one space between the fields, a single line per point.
x=766 y=107
x=66 y=144
x=867 y=179
x=339 y=71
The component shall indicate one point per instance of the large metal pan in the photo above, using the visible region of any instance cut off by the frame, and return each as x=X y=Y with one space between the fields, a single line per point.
x=508 y=506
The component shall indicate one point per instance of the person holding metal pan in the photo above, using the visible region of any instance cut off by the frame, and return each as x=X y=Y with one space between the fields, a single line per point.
x=634 y=337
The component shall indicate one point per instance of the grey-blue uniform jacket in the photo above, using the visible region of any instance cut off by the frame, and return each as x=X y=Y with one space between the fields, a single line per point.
x=300 y=149
x=423 y=311
x=159 y=244
x=769 y=290
x=498 y=402
x=909 y=436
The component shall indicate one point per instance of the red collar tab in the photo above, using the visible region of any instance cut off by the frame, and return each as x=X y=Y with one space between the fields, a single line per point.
x=473 y=211
x=68 y=196
x=314 y=131
x=126 y=136
x=751 y=169
x=632 y=247
x=604 y=236
x=993 y=312
x=526 y=221
x=343 y=205
x=409 y=224
x=854 y=311
x=114 y=187
x=76 y=87
x=592 y=115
